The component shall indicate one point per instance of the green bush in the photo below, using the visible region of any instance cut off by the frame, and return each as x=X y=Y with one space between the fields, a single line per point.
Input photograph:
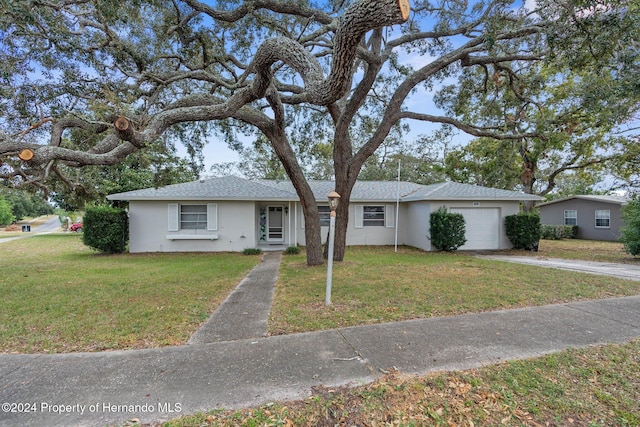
x=558 y=232
x=523 y=230
x=447 y=230
x=630 y=231
x=292 y=250
x=252 y=251
x=106 y=229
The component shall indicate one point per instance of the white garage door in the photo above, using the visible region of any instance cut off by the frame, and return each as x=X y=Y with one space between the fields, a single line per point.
x=482 y=227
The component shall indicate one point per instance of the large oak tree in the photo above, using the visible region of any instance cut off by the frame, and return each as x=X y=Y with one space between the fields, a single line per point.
x=131 y=73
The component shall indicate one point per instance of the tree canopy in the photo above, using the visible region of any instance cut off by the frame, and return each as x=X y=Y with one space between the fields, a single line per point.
x=89 y=82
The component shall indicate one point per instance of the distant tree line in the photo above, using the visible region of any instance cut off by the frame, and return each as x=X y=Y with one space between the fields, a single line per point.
x=23 y=204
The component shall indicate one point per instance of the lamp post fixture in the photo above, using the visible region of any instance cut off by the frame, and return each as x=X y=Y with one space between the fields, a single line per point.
x=334 y=199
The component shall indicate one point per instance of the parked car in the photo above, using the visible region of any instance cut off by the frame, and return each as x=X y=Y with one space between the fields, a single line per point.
x=77 y=227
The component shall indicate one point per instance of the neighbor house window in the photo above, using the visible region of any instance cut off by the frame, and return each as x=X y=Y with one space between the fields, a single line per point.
x=193 y=217
x=570 y=217
x=373 y=216
x=325 y=215
x=603 y=218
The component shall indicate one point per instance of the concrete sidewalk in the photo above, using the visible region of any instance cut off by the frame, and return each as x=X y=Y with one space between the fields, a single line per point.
x=97 y=389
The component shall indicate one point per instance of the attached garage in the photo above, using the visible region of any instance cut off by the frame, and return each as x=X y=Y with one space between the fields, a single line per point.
x=482 y=227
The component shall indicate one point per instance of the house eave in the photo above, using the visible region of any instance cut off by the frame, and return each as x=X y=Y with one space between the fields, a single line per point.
x=591 y=199
x=198 y=199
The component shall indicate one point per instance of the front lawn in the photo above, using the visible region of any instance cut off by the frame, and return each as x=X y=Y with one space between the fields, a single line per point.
x=374 y=284
x=60 y=296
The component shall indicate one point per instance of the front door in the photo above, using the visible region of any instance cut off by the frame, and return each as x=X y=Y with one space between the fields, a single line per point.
x=275 y=224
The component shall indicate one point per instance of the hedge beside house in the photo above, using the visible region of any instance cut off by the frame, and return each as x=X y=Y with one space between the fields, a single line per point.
x=523 y=230
x=447 y=230
x=558 y=232
x=106 y=229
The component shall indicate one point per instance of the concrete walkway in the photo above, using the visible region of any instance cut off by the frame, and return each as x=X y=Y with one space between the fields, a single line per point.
x=622 y=271
x=245 y=312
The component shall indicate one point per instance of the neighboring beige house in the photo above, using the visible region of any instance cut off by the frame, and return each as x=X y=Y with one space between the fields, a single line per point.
x=232 y=214
x=597 y=217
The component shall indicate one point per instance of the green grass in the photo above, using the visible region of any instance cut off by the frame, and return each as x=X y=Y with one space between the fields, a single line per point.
x=595 y=386
x=374 y=285
x=60 y=296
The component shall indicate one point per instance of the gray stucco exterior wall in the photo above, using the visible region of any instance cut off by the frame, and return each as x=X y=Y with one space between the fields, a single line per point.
x=586 y=217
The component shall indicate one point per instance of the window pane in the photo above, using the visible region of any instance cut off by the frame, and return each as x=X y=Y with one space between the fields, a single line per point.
x=194 y=208
x=570 y=217
x=603 y=218
x=373 y=216
x=193 y=217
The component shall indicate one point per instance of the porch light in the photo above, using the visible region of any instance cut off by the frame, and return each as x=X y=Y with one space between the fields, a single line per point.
x=334 y=199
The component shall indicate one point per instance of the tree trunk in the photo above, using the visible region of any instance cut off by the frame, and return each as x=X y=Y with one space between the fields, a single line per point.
x=287 y=156
x=312 y=232
x=528 y=179
x=345 y=180
x=342 y=220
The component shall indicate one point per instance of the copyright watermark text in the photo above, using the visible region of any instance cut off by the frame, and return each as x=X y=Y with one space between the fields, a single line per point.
x=98 y=407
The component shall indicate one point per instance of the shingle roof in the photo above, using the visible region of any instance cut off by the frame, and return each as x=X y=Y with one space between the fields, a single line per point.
x=223 y=188
x=618 y=200
x=234 y=188
x=457 y=191
x=370 y=191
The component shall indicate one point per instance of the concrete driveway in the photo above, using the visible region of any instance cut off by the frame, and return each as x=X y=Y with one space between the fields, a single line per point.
x=622 y=271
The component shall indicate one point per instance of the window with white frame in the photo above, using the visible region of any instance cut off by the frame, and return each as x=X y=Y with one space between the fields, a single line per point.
x=603 y=218
x=193 y=217
x=373 y=216
x=570 y=217
x=325 y=215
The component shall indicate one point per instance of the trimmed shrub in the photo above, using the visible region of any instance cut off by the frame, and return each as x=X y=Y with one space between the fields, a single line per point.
x=252 y=251
x=558 y=232
x=523 y=230
x=630 y=231
x=447 y=230
x=106 y=229
x=292 y=250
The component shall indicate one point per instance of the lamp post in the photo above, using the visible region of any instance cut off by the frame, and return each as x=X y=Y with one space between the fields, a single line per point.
x=334 y=199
